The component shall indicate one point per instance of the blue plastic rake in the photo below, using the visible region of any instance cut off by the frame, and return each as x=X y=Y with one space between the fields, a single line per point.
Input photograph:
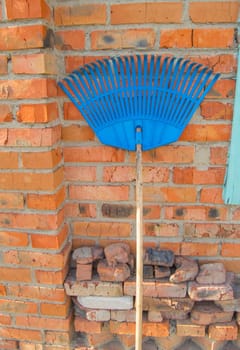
x=138 y=103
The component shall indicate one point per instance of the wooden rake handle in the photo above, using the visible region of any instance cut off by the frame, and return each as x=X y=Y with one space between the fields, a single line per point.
x=139 y=248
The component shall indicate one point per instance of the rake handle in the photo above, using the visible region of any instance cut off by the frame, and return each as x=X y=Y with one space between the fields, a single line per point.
x=139 y=249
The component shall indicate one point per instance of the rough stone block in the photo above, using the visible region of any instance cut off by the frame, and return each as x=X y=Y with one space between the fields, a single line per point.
x=84 y=272
x=162 y=271
x=117 y=253
x=158 y=257
x=187 y=270
x=212 y=274
x=108 y=303
x=83 y=255
x=205 y=313
x=148 y=272
x=118 y=272
x=157 y=289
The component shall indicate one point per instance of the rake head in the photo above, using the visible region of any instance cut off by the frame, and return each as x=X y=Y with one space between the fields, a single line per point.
x=158 y=94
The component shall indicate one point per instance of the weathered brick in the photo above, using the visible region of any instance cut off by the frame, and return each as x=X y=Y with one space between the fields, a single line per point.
x=70 y=39
x=35 y=292
x=93 y=154
x=198 y=291
x=84 y=272
x=180 y=38
x=9 y=200
x=17 y=306
x=102 y=229
x=117 y=273
x=81 y=14
x=187 y=270
x=21 y=9
x=216 y=110
x=5 y=113
x=205 y=313
x=22 y=37
x=43 y=322
x=213 y=12
x=185 y=328
x=117 y=253
x=158 y=257
x=20 y=334
x=180 y=304
x=213 y=38
x=83 y=325
x=92 y=288
x=157 y=289
x=123 y=315
x=224 y=331
x=40 y=63
x=123 y=39
x=77 y=133
x=230 y=249
x=37 y=113
x=46 y=201
x=150 y=12
x=206 y=133
x=199 y=249
x=150 y=329
x=214 y=273
x=3 y=65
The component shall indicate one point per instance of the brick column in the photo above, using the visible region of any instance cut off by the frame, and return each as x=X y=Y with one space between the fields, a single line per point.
x=34 y=246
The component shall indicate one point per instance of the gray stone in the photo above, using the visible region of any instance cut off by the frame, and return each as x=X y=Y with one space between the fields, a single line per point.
x=108 y=303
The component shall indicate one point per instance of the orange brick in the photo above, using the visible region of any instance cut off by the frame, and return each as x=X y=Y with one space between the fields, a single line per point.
x=150 y=329
x=127 y=174
x=49 y=242
x=225 y=63
x=215 y=110
x=35 y=292
x=32 y=221
x=211 y=176
x=37 y=259
x=15 y=274
x=13 y=239
x=206 y=133
x=2 y=290
x=230 y=249
x=71 y=63
x=70 y=40
x=122 y=39
x=38 y=63
x=3 y=136
x=197 y=212
x=17 y=306
x=81 y=173
x=60 y=310
x=33 y=137
x=5 y=320
x=213 y=38
x=218 y=155
x=214 y=12
x=38 y=322
x=150 y=12
x=168 y=154
x=54 y=337
x=37 y=113
x=93 y=154
x=3 y=65
x=69 y=110
x=181 y=38
x=10 y=200
x=42 y=160
x=199 y=249
x=80 y=14
x=77 y=133
x=102 y=229
x=46 y=201
x=223 y=88
x=27 y=88
x=223 y=331
x=8 y=344
x=22 y=37
x=83 y=325
x=82 y=210
x=211 y=195
x=31 y=181
x=20 y=334
x=21 y=9
x=161 y=230
x=51 y=277
x=5 y=113
x=8 y=160
x=169 y=194
x=107 y=193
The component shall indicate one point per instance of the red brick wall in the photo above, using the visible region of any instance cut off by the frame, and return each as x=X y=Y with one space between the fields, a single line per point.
x=59 y=185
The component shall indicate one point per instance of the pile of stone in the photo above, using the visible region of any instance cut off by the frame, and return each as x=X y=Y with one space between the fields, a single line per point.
x=177 y=288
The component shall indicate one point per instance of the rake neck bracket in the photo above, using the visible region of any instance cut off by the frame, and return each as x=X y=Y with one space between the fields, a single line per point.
x=138 y=135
